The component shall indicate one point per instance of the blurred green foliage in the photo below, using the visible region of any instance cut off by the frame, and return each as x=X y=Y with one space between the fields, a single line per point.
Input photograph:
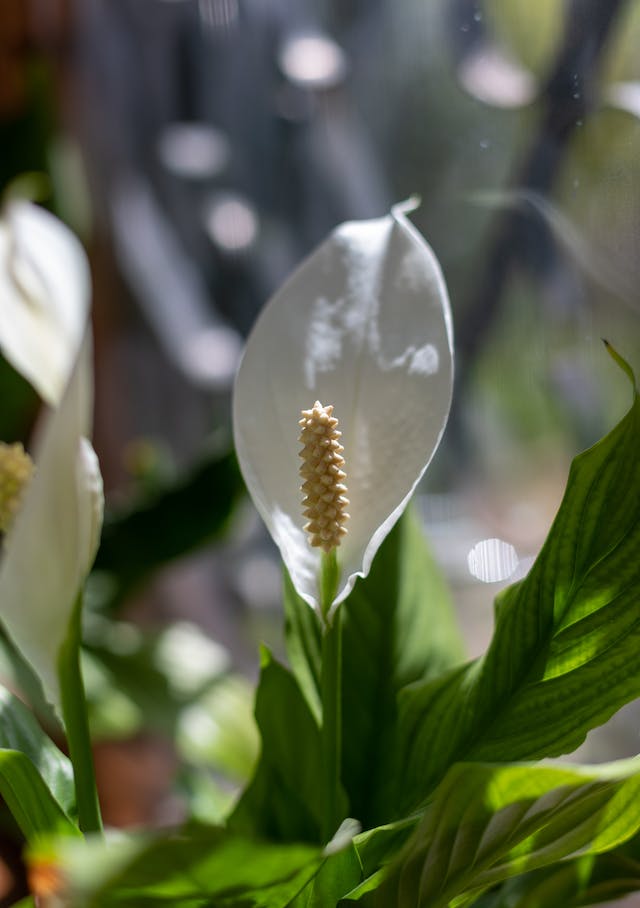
x=174 y=518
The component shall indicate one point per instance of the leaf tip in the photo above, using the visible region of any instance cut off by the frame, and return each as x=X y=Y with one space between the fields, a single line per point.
x=621 y=362
x=266 y=658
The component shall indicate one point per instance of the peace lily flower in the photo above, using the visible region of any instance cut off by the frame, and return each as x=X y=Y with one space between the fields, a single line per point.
x=55 y=516
x=44 y=297
x=361 y=332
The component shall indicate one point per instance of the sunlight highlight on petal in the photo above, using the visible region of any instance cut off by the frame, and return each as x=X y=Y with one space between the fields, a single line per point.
x=363 y=323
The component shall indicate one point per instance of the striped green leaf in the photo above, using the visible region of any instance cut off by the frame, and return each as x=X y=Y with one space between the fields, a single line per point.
x=489 y=822
x=565 y=654
x=30 y=802
x=19 y=731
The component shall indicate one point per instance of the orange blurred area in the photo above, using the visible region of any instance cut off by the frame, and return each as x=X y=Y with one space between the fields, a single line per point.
x=28 y=27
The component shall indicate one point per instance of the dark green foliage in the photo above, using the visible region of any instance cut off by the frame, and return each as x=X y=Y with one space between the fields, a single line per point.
x=284 y=799
x=177 y=518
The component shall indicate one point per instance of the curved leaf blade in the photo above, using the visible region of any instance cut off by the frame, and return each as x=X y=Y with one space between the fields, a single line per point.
x=284 y=800
x=19 y=731
x=399 y=628
x=572 y=884
x=566 y=649
x=489 y=822
x=30 y=802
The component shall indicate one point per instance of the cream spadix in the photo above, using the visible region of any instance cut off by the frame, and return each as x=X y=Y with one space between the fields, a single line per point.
x=16 y=468
x=365 y=324
x=325 y=502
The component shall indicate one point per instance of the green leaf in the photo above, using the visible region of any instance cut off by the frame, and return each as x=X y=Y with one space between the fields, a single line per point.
x=376 y=848
x=303 y=639
x=18 y=674
x=177 y=518
x=589 y=880
x=20 y=731
x=565 y=654
x=339 y=874
x=29 y=800
x=489 y=822
x=76 y=723
x=621 y=362
x=284 y=800
x=574 y=884
x=398 y=628
x=195 y=866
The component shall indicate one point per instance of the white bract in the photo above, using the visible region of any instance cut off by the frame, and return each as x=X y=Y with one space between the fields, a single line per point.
x=364 y=324
x=49 y=549
x=45 y=292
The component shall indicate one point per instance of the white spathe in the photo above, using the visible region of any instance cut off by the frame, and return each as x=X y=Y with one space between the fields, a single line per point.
x=44 y=333
x=44 y=297
x=52 y=544
x=363 y=324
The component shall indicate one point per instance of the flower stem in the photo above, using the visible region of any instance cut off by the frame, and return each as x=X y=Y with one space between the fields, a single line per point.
x=329 y=577
x=331 y=693
x=74 y=712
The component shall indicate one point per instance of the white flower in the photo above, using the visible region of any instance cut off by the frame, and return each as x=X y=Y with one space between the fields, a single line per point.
x=44 y=297
x=49 y=549
x=363 y=325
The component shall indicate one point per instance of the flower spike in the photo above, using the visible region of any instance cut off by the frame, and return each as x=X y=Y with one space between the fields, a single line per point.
x=323 y=477
x=16 y=468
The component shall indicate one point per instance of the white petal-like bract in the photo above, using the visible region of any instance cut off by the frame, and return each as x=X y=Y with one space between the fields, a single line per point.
x=51 y=546
x=44 y=334
x=44 y=297
x=363 y=324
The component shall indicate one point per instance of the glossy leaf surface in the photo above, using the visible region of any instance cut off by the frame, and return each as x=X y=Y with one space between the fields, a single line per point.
x=20 y=731
x=565 y=654
x=489 y=822
x=30 y=802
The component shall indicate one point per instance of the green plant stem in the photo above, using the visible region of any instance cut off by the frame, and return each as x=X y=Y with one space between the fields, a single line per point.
x=331 y=693
x=74 y=713
x=329 y=576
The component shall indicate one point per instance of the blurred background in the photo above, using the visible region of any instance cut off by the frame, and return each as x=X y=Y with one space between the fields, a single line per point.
x=201 y=148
